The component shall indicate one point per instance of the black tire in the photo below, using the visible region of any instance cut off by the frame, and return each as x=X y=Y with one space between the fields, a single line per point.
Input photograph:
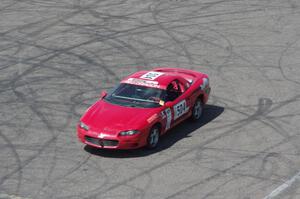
x=197 y=110
x=153 y=137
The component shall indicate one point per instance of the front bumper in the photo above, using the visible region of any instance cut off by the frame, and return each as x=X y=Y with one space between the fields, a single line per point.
x=110 y=141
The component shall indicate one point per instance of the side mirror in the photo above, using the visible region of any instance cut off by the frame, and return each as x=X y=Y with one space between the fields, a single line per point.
x=103 y=94
x=168 y=104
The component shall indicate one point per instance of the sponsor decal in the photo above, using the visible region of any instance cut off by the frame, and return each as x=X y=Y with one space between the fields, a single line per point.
x=142 y=82
x=168 y=113
x=152 y=75
x=152 y=118
x=163 y=115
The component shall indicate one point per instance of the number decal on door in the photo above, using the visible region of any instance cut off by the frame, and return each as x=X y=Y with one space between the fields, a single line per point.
x=180 y=109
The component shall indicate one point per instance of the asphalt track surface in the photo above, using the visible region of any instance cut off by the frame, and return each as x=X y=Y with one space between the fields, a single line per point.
x=56 y=56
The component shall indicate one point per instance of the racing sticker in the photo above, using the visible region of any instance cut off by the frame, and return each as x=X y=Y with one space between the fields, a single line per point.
x=141 y=82
x=152 y=75
x=167 y=114
x=169 y=118
x=152 y=118
x=180 y=109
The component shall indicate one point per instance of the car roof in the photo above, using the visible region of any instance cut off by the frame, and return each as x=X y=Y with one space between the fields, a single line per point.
x=152 y=78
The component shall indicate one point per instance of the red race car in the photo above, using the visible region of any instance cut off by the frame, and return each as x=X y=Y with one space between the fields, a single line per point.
x=144 y=106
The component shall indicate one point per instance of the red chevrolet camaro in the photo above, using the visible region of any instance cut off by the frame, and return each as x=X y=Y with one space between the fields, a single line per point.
x=144 y=106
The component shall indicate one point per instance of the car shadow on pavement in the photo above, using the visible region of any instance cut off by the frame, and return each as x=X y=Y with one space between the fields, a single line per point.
x=183 y=130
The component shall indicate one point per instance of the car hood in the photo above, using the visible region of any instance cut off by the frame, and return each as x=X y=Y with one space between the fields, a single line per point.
x=111 y=119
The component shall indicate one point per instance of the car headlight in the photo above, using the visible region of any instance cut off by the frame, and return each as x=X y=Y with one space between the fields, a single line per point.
x=131 y=132
x=83 y=126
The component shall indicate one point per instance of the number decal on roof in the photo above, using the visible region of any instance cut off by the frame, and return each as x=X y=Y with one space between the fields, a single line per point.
x=152 y=75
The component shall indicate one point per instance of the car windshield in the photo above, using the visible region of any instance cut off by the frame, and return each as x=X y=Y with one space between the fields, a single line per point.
x=135 y=96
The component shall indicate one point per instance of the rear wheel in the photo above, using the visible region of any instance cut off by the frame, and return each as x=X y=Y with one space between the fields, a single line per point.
x=153 y=137
x=197 y=110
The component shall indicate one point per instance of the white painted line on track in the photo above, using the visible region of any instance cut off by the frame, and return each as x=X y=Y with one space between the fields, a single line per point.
x=283 y=186
x=6 y=196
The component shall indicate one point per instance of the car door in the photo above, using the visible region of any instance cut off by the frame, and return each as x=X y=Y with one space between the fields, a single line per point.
x=180 y=109
x=181 y=106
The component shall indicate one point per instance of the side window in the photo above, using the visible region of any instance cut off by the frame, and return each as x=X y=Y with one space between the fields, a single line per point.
x=174 y=90
x=182 y=87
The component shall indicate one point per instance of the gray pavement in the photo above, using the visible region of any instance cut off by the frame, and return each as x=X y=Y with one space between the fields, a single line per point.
x=56 y=56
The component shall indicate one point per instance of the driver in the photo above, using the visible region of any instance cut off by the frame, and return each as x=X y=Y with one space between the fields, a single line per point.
x=172 y=91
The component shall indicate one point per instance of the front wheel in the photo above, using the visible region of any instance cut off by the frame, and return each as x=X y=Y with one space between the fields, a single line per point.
x=197 y=110
x=153 y=137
